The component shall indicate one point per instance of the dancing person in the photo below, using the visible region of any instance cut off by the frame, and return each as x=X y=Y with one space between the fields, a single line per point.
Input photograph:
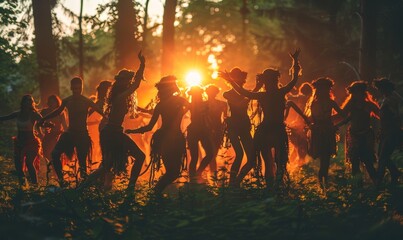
x=391 y=133
x=297 y=125
x=323 y=133
x=27 y=147
x=198 y=131
x=53 y=129
x=239 y=127
x=116 y=146
x=76 y=137
x=216 y=115
x=168 y=142
x=360 y=138
x=271 y=132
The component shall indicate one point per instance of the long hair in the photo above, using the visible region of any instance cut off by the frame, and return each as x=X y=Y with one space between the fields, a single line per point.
x=322 y=90
x=355 y=88
x=28 y=104
x=114 y=91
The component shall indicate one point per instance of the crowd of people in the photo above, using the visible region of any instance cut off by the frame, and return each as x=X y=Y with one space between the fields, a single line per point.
x=58 y=135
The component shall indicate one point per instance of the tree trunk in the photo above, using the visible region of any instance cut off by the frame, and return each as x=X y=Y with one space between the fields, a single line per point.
x=367 y=64
x=45 y=49
x=168 y=37
x=145 y=29
x=126 y=44
x=81 y=44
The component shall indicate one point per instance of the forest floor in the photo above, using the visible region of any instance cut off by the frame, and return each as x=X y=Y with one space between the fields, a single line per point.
x=347 y=210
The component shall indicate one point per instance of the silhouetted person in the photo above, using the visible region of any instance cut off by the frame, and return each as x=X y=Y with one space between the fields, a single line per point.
x=239 y=127
x=360 y=138
x=53 y=129
x=76 y=137
x=198 y=131
x=271 y=133
x=116 y=146
x=168 y=142
x=391 y=133
x=323 y=132
x=216 y=115
x=27 y=146
x=94 y=120
x=297 y=134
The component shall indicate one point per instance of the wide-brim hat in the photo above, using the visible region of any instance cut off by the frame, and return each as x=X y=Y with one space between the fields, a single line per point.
x=237 y=73
x=167 y=83
x=195 y=90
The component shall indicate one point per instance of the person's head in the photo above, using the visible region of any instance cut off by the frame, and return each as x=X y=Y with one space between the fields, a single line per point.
x=269 y=77
x=323 y=87
x=54 y=101
x=238 y=76
x=76 y=86
x=124 y=77
x=27 y=103
x=358 y=90
x=102 y=89
x=167 y=86
x=212 y=91
x=384 y=86
x=196 y=92
x=306 y=89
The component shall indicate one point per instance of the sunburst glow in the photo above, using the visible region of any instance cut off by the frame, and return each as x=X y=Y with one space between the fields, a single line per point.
x=193 y=78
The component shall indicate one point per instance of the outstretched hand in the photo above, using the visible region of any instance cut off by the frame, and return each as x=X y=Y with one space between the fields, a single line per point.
x=295 y=55
x=225 y=75
x=141 y=57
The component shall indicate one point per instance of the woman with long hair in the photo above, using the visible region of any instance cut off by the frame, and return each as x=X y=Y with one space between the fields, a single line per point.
x=360 y=138
x=53 y=129
x=116 y=146
x=198 y=131
x=271 y=133
x=239 y=127
x=27 y=147
x=323 y=133
x=391 y=132
x=168 y=142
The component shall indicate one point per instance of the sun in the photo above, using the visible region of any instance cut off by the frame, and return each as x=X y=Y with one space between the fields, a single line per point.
x=193 y=78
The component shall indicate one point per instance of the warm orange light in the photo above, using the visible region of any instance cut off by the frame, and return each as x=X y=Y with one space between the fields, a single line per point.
x=193 y=78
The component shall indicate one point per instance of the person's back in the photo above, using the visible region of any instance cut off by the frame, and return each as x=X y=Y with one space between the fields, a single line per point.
x=172 y=111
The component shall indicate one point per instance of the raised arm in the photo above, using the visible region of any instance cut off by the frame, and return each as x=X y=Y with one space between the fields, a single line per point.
x=291 y=104
x=295 y=71
x=55 y=113
x=9 y=116
x=137 y=78
x=150 y=124
x=252 y=95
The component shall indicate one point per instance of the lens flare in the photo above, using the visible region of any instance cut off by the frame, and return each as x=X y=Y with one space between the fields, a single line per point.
x=193 y=78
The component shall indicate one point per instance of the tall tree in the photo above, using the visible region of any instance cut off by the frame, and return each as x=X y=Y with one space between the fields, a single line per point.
x=367 y=59
x=126 y=28
x=168 y=37
x=45 y=49
x=81 y=44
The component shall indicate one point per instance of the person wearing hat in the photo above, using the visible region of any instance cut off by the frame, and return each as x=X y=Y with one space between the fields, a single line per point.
x=323 y=132
x=239 y=126
x=76 y=136
x=168 y=142
x=116 y=146
x=391 y=133
x=198 y=131
x=360 y=138
x=271 y=133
